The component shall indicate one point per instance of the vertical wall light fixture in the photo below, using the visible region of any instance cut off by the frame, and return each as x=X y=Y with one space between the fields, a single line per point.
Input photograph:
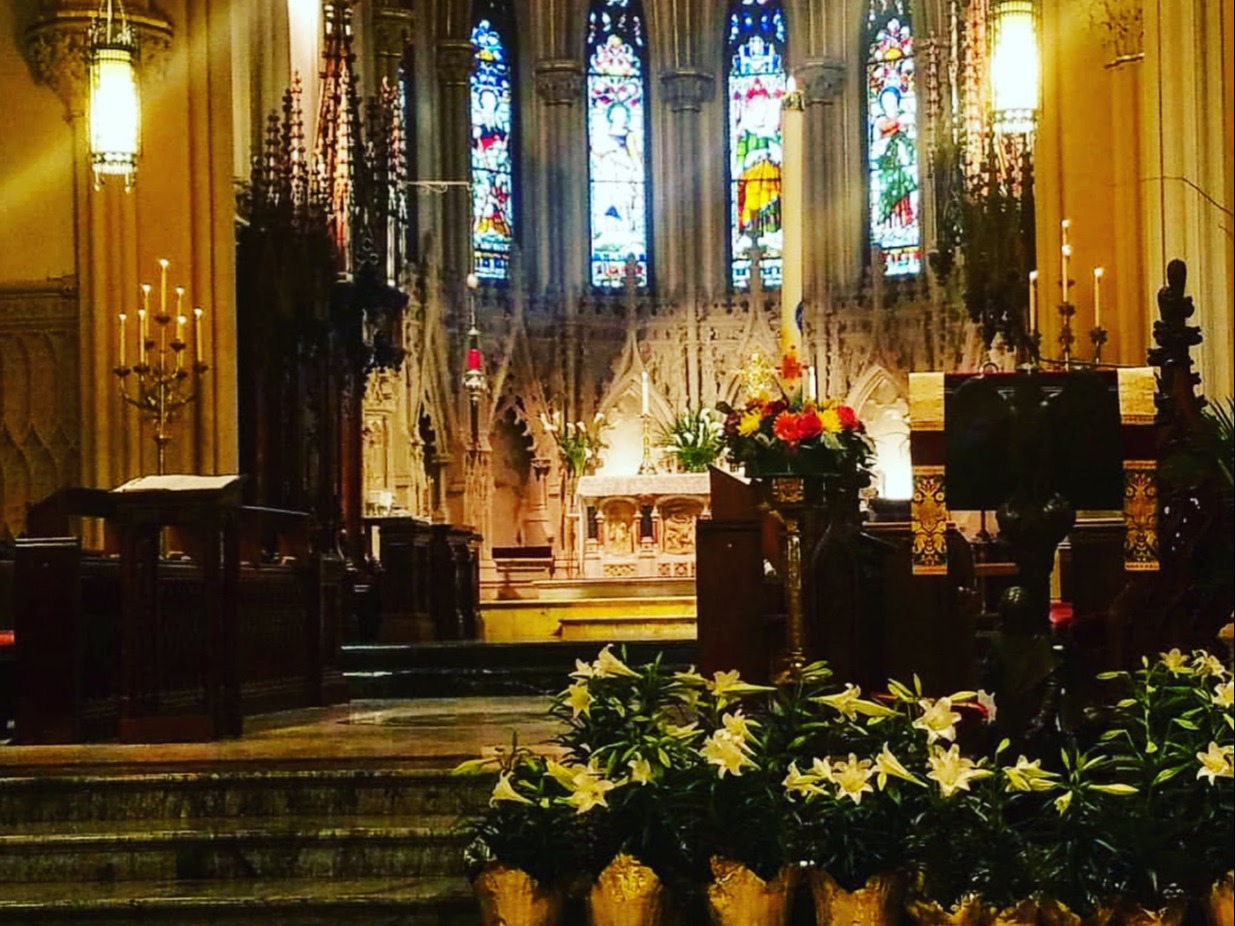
x=1015 y=66
x=115 y=97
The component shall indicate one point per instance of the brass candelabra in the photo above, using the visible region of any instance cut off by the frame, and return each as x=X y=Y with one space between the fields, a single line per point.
x=161 y=386
x=647 y=466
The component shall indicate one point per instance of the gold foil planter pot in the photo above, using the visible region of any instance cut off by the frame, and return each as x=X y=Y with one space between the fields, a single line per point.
x=1026 y=913
x=627 y=893
x=510 y=897
x=967 y=911
x=876 y=903
x=1170 y=915
x=1218 y=907
x=739 y=897
x=1054 y=913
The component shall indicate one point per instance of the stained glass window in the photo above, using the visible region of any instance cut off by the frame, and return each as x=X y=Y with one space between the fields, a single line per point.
x=493 y=205
x=756 y=54
x=617 y=141
x=892 y=140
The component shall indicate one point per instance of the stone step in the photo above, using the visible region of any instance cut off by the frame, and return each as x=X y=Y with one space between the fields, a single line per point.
x=265 y=848
x=248 y=793
x=428 y=901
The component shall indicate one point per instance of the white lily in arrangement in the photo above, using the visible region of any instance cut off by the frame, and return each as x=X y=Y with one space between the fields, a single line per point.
x=1029 y=776
x=609 y=666
x=1216 y=762
x=739 y=725
x=727 y=752
x=505 y=791
x=986 y=701
x=938 y=720
x=1224 y=694
x=888 y=766
x=1207 y=665
x=853 y=777
x=803 y=783
x=579 y=699
x=849 y=704
x=728 y=686
x=1175 y=662
x=952 y=771
x=640 y=771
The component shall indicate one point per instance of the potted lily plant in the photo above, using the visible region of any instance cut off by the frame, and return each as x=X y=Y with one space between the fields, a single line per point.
x=1171 y=739
x=523 y=846
x=693 y=440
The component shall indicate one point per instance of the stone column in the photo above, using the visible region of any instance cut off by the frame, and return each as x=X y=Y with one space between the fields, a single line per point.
x=832 y=255
x=685 y=91
x=562 y=236
x=454 y=66
x=394 y=24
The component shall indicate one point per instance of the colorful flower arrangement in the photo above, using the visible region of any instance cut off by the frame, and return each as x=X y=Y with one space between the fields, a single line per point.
x=684 y=773
x=783 y=430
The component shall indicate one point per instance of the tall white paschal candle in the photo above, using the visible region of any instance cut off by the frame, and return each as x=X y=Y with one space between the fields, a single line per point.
x=645 y=393
x=1097 y=296
x=792 y=198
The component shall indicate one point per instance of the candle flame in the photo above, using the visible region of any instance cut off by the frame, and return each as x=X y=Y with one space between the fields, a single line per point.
x=123 y=317
x=164 y=262
x=1067 y=250
x=198 y=311
x=146 y=288
x=1033 y=276
x=1098 y=272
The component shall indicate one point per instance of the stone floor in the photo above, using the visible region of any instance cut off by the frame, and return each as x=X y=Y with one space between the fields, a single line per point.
x=424 y=733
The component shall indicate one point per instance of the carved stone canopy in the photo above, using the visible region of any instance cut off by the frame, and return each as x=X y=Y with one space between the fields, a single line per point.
x=687 y=89
x=55 y=47
x=822 y=79
x=559 y=81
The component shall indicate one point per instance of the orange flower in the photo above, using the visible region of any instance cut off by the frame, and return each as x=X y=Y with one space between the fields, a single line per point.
x=848 y=418
x=790 y=367
x=786 y=426
x=809 y=424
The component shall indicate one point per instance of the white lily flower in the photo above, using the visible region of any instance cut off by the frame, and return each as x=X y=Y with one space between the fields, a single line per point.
x=1224 y=694
x=938 y=719
x=986 y=701
x=640 y=771
x=1207 y=665
x=797 y=782
x=1029 y=776
x=1175 y=662
x=738 y=725
x=888 y=766
x=505 y=791
x=852 y=778
x=1215 y=763
x=579 y=699
x=952 y=771
x=609 y=666
x=727 y=753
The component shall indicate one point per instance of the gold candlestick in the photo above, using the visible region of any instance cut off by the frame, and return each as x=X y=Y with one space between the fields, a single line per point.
x=647 y=467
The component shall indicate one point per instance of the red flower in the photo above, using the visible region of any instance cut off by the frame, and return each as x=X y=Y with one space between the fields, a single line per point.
x=772 y=409
x=731 y=424
x=786 y=427
x=809 y=424
x=848 y=418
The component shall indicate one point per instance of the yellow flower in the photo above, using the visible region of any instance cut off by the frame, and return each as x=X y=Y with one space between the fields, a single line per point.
x=938 y=719
x=728 y=686
x=727 y=753
x=849 y=704
x=579 y=699
x=797 y=782
x=583 y=670
x=749 y=423
x=590 y=792
x=1063 y=802
x=690 y=677
x=830 y=419
x=640 y=771
x=1029 y=776
x=738 y=725
x=953 y=771
x=853 y=778
x=688 y=732
x=505 y=791
x=1208 y=665
x=1224 y=694
x=609 y=666
x=1215 y=763
x=888 y=766
x=1176 y=662
x=822 y=770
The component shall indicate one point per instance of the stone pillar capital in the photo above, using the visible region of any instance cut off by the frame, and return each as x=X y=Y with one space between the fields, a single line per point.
x=559 y=81
x=55 y=48
x=454 y=62
x=394 y=24
x=687 y=89
x=822 y=79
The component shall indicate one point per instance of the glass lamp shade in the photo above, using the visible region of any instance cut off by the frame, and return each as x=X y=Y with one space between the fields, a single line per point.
x=1015 y=66
x=115 y=112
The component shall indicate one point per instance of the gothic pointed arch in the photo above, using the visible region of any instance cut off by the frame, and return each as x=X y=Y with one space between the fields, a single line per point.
x=617 y=135
x=756 y=36
x=492 y=86
x=895 y=178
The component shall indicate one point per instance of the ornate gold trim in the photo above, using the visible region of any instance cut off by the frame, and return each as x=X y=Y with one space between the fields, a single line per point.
x=1137 y=386
x=926 y=401
x=928 y=517
x=1141 y=516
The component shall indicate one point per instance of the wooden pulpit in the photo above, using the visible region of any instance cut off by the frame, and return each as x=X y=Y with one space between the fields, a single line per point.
x=179 y=652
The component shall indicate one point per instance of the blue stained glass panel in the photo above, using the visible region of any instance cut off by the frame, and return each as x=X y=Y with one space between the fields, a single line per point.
x=892 y=140
x=617 y=142
x=493 y=214
x=756 y=84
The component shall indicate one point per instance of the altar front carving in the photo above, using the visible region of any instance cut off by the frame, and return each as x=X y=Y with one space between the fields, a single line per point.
x=641 y=526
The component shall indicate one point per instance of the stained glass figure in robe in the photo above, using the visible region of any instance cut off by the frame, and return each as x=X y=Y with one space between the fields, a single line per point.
x=892 y=121
x=617 y=136
x=492 y=156
x=756 y=85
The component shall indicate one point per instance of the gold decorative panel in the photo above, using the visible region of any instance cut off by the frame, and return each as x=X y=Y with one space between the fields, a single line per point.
x=40 y=400
x=1141 y=516
x=929 y=521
